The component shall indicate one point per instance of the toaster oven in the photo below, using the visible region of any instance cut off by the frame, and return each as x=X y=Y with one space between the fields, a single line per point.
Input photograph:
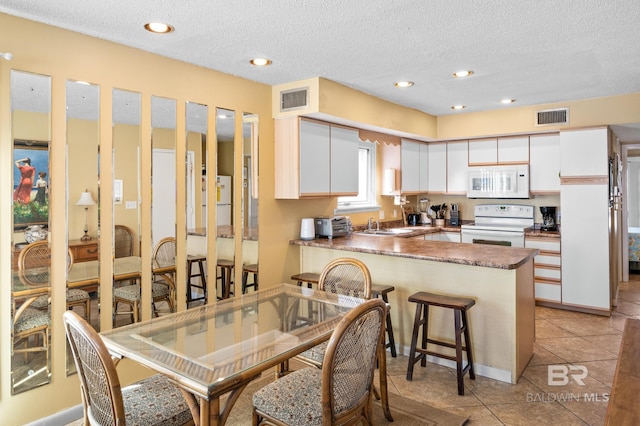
x=329 y=227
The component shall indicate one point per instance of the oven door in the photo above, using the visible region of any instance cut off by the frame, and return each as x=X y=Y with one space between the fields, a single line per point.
x=496 y=238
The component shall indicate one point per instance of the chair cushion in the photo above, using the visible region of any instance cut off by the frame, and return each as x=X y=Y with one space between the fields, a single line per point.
x=155 y=401
x=295 y=399
x=31 y=318
x=73 y=295
x=132 y=292
x=316 y=353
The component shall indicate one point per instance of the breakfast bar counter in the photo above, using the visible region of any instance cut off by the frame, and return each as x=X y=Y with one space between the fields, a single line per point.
x=500 y=279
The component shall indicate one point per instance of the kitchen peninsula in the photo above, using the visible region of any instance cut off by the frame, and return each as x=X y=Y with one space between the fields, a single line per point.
x=500 y=279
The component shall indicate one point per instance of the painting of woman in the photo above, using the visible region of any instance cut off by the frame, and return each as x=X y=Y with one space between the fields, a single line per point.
x=22 y=194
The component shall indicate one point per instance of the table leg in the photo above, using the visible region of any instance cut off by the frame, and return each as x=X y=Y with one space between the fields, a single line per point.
x=384 y=395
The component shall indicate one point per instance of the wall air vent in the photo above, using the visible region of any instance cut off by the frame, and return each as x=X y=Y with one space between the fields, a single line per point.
x=293 y=99
x=549 y=117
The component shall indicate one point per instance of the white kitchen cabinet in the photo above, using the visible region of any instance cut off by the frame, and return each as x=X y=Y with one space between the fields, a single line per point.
x=314 y=159
x=344 y=161
x=585 y=246
x=415 y=166
x=483 y=152
x=544 y=163
x=437 y=169
x=547 y=269
x=457 y=166
x=513 y=150
x=584 y=152
x=452 y=237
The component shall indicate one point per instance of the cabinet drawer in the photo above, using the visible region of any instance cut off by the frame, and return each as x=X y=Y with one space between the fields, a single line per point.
x=546 y=245
x=548 y=292
x=85 y=253
x=547 y=273
x=548 y=259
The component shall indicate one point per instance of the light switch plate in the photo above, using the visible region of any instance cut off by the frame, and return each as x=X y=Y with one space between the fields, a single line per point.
x=130 y=205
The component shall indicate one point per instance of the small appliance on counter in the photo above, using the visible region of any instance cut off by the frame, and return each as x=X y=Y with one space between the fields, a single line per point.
x=413 y=219
x=455 y=215
x=548 y=218
x=329 y=227
x=307 y=229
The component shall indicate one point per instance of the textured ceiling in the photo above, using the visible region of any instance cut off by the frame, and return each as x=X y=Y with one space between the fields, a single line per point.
x=546 y=51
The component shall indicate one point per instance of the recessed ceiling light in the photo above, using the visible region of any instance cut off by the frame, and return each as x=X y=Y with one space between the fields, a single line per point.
x=464 y=73
x=158 y=27
x=403 y=83
x=260 y=62
x=507 y=101
x=222 y=116
x=458 y=107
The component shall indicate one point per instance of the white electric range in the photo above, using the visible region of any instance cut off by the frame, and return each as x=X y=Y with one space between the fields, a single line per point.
x=499 y=224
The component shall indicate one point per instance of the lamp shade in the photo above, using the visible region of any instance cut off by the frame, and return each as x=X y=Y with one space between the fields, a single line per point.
x=85 y=199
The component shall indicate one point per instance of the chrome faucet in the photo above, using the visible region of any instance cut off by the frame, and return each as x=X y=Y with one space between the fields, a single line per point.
x=370 y=224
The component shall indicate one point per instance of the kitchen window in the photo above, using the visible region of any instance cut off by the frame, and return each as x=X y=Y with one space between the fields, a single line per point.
x=366 y=198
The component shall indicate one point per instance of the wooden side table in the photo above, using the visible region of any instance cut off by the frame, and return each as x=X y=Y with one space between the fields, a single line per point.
x=84 y=251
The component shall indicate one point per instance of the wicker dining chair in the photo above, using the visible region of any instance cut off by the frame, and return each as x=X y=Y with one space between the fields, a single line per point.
x=33 y=269
x=164 y=267
x=345 y=276
x=161 y=290
x=30 y=329
x=123 y=241
x=339 y=393
x=148 y=402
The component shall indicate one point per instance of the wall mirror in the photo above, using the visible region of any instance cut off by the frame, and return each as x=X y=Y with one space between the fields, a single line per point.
x=225 y=242
x=83 y=222
x=30 y=292
x=163 y=200
x=196 y=202
x=126 y=138
x=250 y=198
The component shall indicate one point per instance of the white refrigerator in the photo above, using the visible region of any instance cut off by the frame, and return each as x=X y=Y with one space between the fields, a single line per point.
x=223 y=189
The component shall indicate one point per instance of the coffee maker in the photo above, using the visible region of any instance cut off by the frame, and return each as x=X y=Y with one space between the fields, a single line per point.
x=548 y=219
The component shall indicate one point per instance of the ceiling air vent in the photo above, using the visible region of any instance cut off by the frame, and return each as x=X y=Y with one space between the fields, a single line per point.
x=294 y=99
x=549 y=117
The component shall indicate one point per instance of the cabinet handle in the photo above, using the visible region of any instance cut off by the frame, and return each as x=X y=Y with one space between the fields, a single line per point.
x=95 y=250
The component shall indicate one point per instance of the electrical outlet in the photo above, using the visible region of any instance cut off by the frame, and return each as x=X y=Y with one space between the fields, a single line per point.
x=381 y=214
x=395 y=213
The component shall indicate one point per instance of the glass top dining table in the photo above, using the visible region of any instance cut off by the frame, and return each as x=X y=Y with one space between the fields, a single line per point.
x=216 y=349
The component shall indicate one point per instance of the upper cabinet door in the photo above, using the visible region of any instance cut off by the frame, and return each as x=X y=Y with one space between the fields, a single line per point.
x=437 y=168
x=344 y=161
x=315 y=154
x=544 y=163
x=513 y=150
x=410 y=160
x=424 y=167
x=483 y=152
x=584 y=152
x=457 y=160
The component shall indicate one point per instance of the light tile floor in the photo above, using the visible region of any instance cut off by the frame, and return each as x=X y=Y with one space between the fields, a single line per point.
x=562 y=337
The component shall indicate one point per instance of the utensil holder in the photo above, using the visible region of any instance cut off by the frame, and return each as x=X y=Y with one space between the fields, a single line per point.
x=439 y=222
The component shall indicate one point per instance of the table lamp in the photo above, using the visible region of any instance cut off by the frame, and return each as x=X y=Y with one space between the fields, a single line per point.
x=85 y=200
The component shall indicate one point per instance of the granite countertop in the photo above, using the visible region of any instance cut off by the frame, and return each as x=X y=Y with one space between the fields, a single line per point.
x=488 y=256
x=532 y=232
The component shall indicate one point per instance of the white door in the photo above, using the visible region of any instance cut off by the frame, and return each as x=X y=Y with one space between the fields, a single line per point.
x=191 y=191
x=163 y=197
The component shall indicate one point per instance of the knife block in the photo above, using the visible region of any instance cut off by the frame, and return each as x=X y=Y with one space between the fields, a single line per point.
x=455 y=218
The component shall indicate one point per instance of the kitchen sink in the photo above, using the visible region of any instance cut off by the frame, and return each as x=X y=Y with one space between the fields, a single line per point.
x=391 y=231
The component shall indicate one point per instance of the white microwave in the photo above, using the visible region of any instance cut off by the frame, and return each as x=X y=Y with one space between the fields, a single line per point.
x=498 y=181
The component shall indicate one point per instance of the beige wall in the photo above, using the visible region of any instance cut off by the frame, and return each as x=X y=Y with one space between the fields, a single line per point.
x=66 y=56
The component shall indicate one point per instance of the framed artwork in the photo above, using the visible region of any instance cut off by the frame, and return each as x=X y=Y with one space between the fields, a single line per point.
x=30 y=183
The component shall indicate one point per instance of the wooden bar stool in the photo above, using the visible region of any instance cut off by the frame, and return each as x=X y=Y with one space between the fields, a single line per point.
x=246 y=270
x=226 y=274
x=200 y=273
x=460 y=305
x=306 y=277
x=383 y=291
x=377 y=291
